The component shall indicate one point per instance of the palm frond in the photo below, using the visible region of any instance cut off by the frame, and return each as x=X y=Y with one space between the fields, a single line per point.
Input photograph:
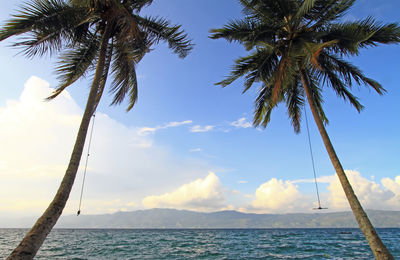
x=333 y=78
x=235 y=31
x=360 y=34
x=104 y=76
x=257 y=66
x=159 y=29
x=294 y=96
x=136 y=5
x=327 y=11
x=126 y=56
x=248 y=32
x=45 y=26
x=74 y=63
x=313 y=81
x=304 y=9
x=348 y=72
x=263 y=106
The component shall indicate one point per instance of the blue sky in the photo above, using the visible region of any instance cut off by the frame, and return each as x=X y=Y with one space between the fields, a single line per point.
x=206 y=136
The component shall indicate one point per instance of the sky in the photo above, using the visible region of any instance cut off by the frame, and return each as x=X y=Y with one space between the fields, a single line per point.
x=189 y=144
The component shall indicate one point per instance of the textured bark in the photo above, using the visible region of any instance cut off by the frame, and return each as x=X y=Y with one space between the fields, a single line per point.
x=34 y=239
x=378 y=248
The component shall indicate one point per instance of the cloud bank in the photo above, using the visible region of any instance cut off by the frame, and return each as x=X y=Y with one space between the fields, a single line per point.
x=278 y=196
x=284 y=196
x=37 y=139
x=128 y=170
x=202 y=194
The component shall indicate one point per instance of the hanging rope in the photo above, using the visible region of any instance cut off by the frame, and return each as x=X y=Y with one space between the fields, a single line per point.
x=312 y=160
x=87 y=159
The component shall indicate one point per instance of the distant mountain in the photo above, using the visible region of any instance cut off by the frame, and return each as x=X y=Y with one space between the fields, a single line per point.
x=171 y=218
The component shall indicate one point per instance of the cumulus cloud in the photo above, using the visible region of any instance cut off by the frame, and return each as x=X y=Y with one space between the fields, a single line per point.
x=394 y=187
x=202 y=194
x=372 y=195
x=37 y=138
x=241 y=123
x=278 y=196
x=201 y=129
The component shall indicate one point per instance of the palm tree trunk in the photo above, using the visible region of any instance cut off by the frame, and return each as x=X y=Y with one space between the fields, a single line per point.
x=34 y=239
x=378 y=248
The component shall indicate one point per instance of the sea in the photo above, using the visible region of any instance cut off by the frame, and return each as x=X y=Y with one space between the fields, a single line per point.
x=203 y=243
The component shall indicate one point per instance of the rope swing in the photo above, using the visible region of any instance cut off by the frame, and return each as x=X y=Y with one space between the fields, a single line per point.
x=87 y=159
x=312 y=162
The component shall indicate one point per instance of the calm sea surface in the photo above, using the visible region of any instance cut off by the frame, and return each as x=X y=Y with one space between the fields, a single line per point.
x=204 y=244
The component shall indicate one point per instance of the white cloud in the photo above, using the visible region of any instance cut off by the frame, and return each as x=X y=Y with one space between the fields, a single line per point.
x=202 y=194
x=37 y=138
x=242 y=182
x=201 y=129
x=371 y=195
x=146 y=130
x=151 y=130
x=278 y=196
x=393 y=186
x=241 y=123
x=175 y=124
x=194 y=150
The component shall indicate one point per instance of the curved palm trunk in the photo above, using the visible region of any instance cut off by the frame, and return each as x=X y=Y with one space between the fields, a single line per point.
x=378 y=248
x=34 y=239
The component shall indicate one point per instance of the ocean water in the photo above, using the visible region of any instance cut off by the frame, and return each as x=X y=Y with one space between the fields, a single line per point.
x=203 y=244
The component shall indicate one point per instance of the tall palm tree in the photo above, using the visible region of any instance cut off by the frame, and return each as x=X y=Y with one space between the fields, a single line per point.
x=105 y=37
x=298 y=47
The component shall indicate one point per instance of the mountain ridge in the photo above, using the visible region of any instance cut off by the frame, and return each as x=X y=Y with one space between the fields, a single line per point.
x=173 y=218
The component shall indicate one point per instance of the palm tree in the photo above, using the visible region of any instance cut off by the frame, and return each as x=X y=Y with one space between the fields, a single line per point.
x=99 y=36
x=298 y=47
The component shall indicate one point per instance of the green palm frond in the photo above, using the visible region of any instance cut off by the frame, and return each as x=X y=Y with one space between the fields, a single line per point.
x=334 y=81
x=304 y=9
x=269 y=10
x=257 y=66
x=294 y=103
x=136 y=5
x=360 y=34
x=159 y=29
x=125 y=58
x=381 y=33
x=326 y=11
x=104 y=76
x=45 y=26
x=74 y=63
x=235 y=31
x=316 y=93
x=34 y=14
x=263 y=107
x=348 y=72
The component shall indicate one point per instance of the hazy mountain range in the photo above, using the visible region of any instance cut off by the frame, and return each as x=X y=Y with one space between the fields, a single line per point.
x=171 y=218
